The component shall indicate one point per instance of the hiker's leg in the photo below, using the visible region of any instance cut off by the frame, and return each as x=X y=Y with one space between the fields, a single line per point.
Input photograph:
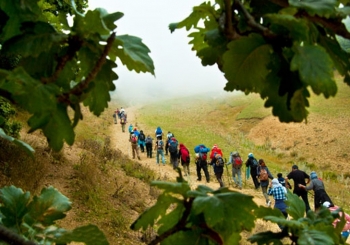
x=163 y=158
x=133 y=151
x=239 y=175
x=264 y=191
x=306 y=201
x=205 y=169
x=158 y=153
x=234 y=176
x=198 y=169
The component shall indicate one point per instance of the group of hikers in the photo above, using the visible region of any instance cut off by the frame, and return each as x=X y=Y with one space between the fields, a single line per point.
x=256 y=169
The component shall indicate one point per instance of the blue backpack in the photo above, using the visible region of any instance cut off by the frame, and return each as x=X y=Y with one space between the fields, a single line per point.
x=173 y=145
x=159 y=131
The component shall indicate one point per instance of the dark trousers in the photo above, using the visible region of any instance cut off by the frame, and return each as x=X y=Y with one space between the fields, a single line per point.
x=303 y=196
x=149 y=150
x=142 y=147
x=202 y=165
x=255 y=179
x=219 y=178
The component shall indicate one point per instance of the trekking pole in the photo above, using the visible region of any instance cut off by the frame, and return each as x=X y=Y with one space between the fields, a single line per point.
x=228 y=176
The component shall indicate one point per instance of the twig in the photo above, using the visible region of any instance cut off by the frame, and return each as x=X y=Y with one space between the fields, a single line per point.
x=230 y=31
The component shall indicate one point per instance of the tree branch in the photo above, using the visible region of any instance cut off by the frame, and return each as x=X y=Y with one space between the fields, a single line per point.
x=79 y=89
x=230 y=31
x=12 y=238
x=181 y=224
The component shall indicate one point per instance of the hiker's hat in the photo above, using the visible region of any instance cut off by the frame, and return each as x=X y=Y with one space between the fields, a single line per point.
x=295 y=166
x=326 y=204
x=250 y=155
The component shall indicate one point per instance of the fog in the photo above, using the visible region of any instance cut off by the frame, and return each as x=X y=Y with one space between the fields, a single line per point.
x=178 y=72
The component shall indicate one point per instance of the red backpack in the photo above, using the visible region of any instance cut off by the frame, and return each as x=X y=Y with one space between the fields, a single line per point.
x=185 y=155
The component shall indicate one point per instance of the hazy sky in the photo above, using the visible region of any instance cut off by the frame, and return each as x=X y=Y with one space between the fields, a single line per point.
x=177 y=69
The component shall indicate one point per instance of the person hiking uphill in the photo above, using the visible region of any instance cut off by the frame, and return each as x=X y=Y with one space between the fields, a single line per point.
x=168 y=138
x=184 y=156
x=159 y=133
x=201 y=161
x=173 y=143
x=236 y=162
x=149 y=146
x=264 y=175
x=123 y=122
x=141 y=142
x=346 y=229
x=298 y=178
x=218 y=163
x=115 y=114
x=131 y=129
x=134 y=147
x=159 y=148
x=317 y=186
x=252 y=163
x=278 y=192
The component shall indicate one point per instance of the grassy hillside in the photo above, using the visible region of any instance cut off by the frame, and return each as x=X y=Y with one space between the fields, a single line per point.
x=227 y=121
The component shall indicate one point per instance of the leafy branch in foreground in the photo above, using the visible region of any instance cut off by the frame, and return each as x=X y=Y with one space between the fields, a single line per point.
x=280 y=49
x=206 y=216
x=34 y=220
x=63 y=66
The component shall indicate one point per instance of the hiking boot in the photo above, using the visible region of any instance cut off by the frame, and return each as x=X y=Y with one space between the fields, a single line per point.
x=198 y=179
x=268 y=203
x=139 y=158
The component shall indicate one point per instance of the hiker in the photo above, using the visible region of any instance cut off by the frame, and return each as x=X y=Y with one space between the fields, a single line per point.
x=298 y=178
x=264 y=175
x=142 y=138
x=159 y=133
x=134 y=148
x=131 y=129
x=123 y=122
x=218 y=163
x=184 y=156
x=317 y=186
x=159 y=147
x=215 y=149
x=282 y=181
x=172 y=145
x=236 y=162
x=115 y=114
x=201 y=161
x=168 y=136
x=278 y=191
x=149 y=145
x=346 y=229
x=118 y=113
x=252 y=164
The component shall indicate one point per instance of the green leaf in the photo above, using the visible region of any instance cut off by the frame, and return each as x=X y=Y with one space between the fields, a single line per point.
x=47 y=208
x=295 y=206
x=307 y=237
x=319 y=75
x=149 y=217
x=14 y=206
x=23 y=145
x=245 y=64
x=89 y=235
x=169 y=220
x=298 y=29
x=199 y=12
x=132 y=53
x=178 y=188
x=39 y=37
x=98 y=97
x=323 y=8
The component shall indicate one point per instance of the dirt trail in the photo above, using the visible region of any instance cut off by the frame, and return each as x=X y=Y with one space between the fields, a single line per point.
x=120 y=141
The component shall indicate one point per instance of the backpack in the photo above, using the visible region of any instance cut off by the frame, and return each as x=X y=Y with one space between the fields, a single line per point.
x=159 y=131
x=148 y=140
x=160 y=144
x=173 y=146
x=133 y=139
x=142 y=137
x=185 y=155
x=122 y=120
x=220 y=162
x=263 y=175
x=203 y=156
x=255 y=163
x=236 y=161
